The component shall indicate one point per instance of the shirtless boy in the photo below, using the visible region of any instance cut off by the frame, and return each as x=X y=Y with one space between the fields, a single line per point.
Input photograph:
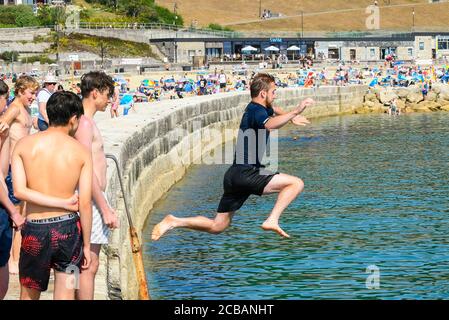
x=8 y=211
x=18 y=119
x=245 y=176
x=48 y=167
x=97 y=89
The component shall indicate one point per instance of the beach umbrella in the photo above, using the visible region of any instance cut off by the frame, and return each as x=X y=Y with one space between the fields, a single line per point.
x=293 y=48
x=271 y=48
x=249 y=48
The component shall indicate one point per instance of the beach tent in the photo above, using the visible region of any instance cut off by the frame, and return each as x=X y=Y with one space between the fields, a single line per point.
x=188 y=87
x=149 y=83
x=374 y=82
x=126 y=99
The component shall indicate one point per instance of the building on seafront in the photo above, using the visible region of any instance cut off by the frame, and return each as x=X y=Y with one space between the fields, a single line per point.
x=404 y=46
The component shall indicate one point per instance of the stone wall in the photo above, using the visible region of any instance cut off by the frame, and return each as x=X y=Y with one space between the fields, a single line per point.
x=22 y=34
x=155 y=147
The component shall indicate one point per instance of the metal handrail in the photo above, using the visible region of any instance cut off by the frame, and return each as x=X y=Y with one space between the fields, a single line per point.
x=135 y=243
x=155 y=26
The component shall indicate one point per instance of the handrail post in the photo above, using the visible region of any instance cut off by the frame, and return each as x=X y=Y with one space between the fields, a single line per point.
x=135 y=243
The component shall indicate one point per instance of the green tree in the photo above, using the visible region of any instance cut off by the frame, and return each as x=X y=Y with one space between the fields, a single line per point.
x=10 y=56
x=215 y=26
x=49 y=16
x=166 y=16
x=19 y=16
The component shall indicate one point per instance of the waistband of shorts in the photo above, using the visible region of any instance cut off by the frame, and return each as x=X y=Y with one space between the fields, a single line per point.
x=65 y=217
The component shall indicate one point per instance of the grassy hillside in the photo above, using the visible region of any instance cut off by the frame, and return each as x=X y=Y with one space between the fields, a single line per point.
x=114 y=48
x=326 y=15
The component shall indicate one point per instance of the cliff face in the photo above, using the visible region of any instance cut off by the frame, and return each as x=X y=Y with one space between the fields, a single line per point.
x=156 y=145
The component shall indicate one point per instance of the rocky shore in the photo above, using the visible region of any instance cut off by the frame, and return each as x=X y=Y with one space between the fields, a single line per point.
x=410 y=99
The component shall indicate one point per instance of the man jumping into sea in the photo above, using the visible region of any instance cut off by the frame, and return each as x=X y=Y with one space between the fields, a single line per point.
x=247 y=175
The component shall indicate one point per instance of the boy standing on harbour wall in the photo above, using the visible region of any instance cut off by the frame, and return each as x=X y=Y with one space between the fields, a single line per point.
x=48 y=168
x=97 y=89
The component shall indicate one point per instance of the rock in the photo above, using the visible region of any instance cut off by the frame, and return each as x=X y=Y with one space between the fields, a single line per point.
x=385 y=96
x=402 y=93
x=431 y=105
x=376 y=91
x=422 y=107
x=445 y=108
x=431 y=96
x=400 y=104
x=414 y=97
x=362 y=110
x=371 y=97
x=444 y=92
x=379 y=108
x=437 y=88
x=369 y=104
x=443 y=102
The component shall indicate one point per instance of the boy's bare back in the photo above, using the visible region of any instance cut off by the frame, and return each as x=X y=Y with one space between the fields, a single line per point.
x=53 y=162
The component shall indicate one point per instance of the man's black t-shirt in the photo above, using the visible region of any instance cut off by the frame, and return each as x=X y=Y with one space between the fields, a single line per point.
x=253 y=136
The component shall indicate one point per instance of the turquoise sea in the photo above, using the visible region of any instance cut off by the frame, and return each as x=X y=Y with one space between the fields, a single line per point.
x=376 y=194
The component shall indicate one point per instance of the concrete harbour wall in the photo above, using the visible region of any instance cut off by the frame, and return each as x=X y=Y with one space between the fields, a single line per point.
x=156 y=145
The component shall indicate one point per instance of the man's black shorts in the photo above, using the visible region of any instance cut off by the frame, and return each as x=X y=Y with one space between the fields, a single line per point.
x=241 y=181
x=55 y=244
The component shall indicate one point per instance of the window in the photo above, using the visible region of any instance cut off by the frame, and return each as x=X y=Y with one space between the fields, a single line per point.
x=333 y=54
x=443 y=44
x=421 y=45
x=410 y=51
x=191 y=53
x=372 y=52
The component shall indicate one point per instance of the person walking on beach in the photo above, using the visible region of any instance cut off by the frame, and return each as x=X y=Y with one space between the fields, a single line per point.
x=8 y=212
x=18 y=119
x=44 y=94
x=115 y=101
x=48 y=168
x=247 y=175
x=97 y=89
x=223 y=80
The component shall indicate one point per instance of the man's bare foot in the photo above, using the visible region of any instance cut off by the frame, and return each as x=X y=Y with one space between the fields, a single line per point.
x=162 y=227
x=271 y=226
x=13 y=267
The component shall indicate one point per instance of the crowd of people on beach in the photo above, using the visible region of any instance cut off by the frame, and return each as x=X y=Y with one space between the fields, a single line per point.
x=54 y=214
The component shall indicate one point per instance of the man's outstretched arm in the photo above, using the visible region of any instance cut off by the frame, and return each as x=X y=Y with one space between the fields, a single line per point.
x=279 y=121
x=298 y=120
